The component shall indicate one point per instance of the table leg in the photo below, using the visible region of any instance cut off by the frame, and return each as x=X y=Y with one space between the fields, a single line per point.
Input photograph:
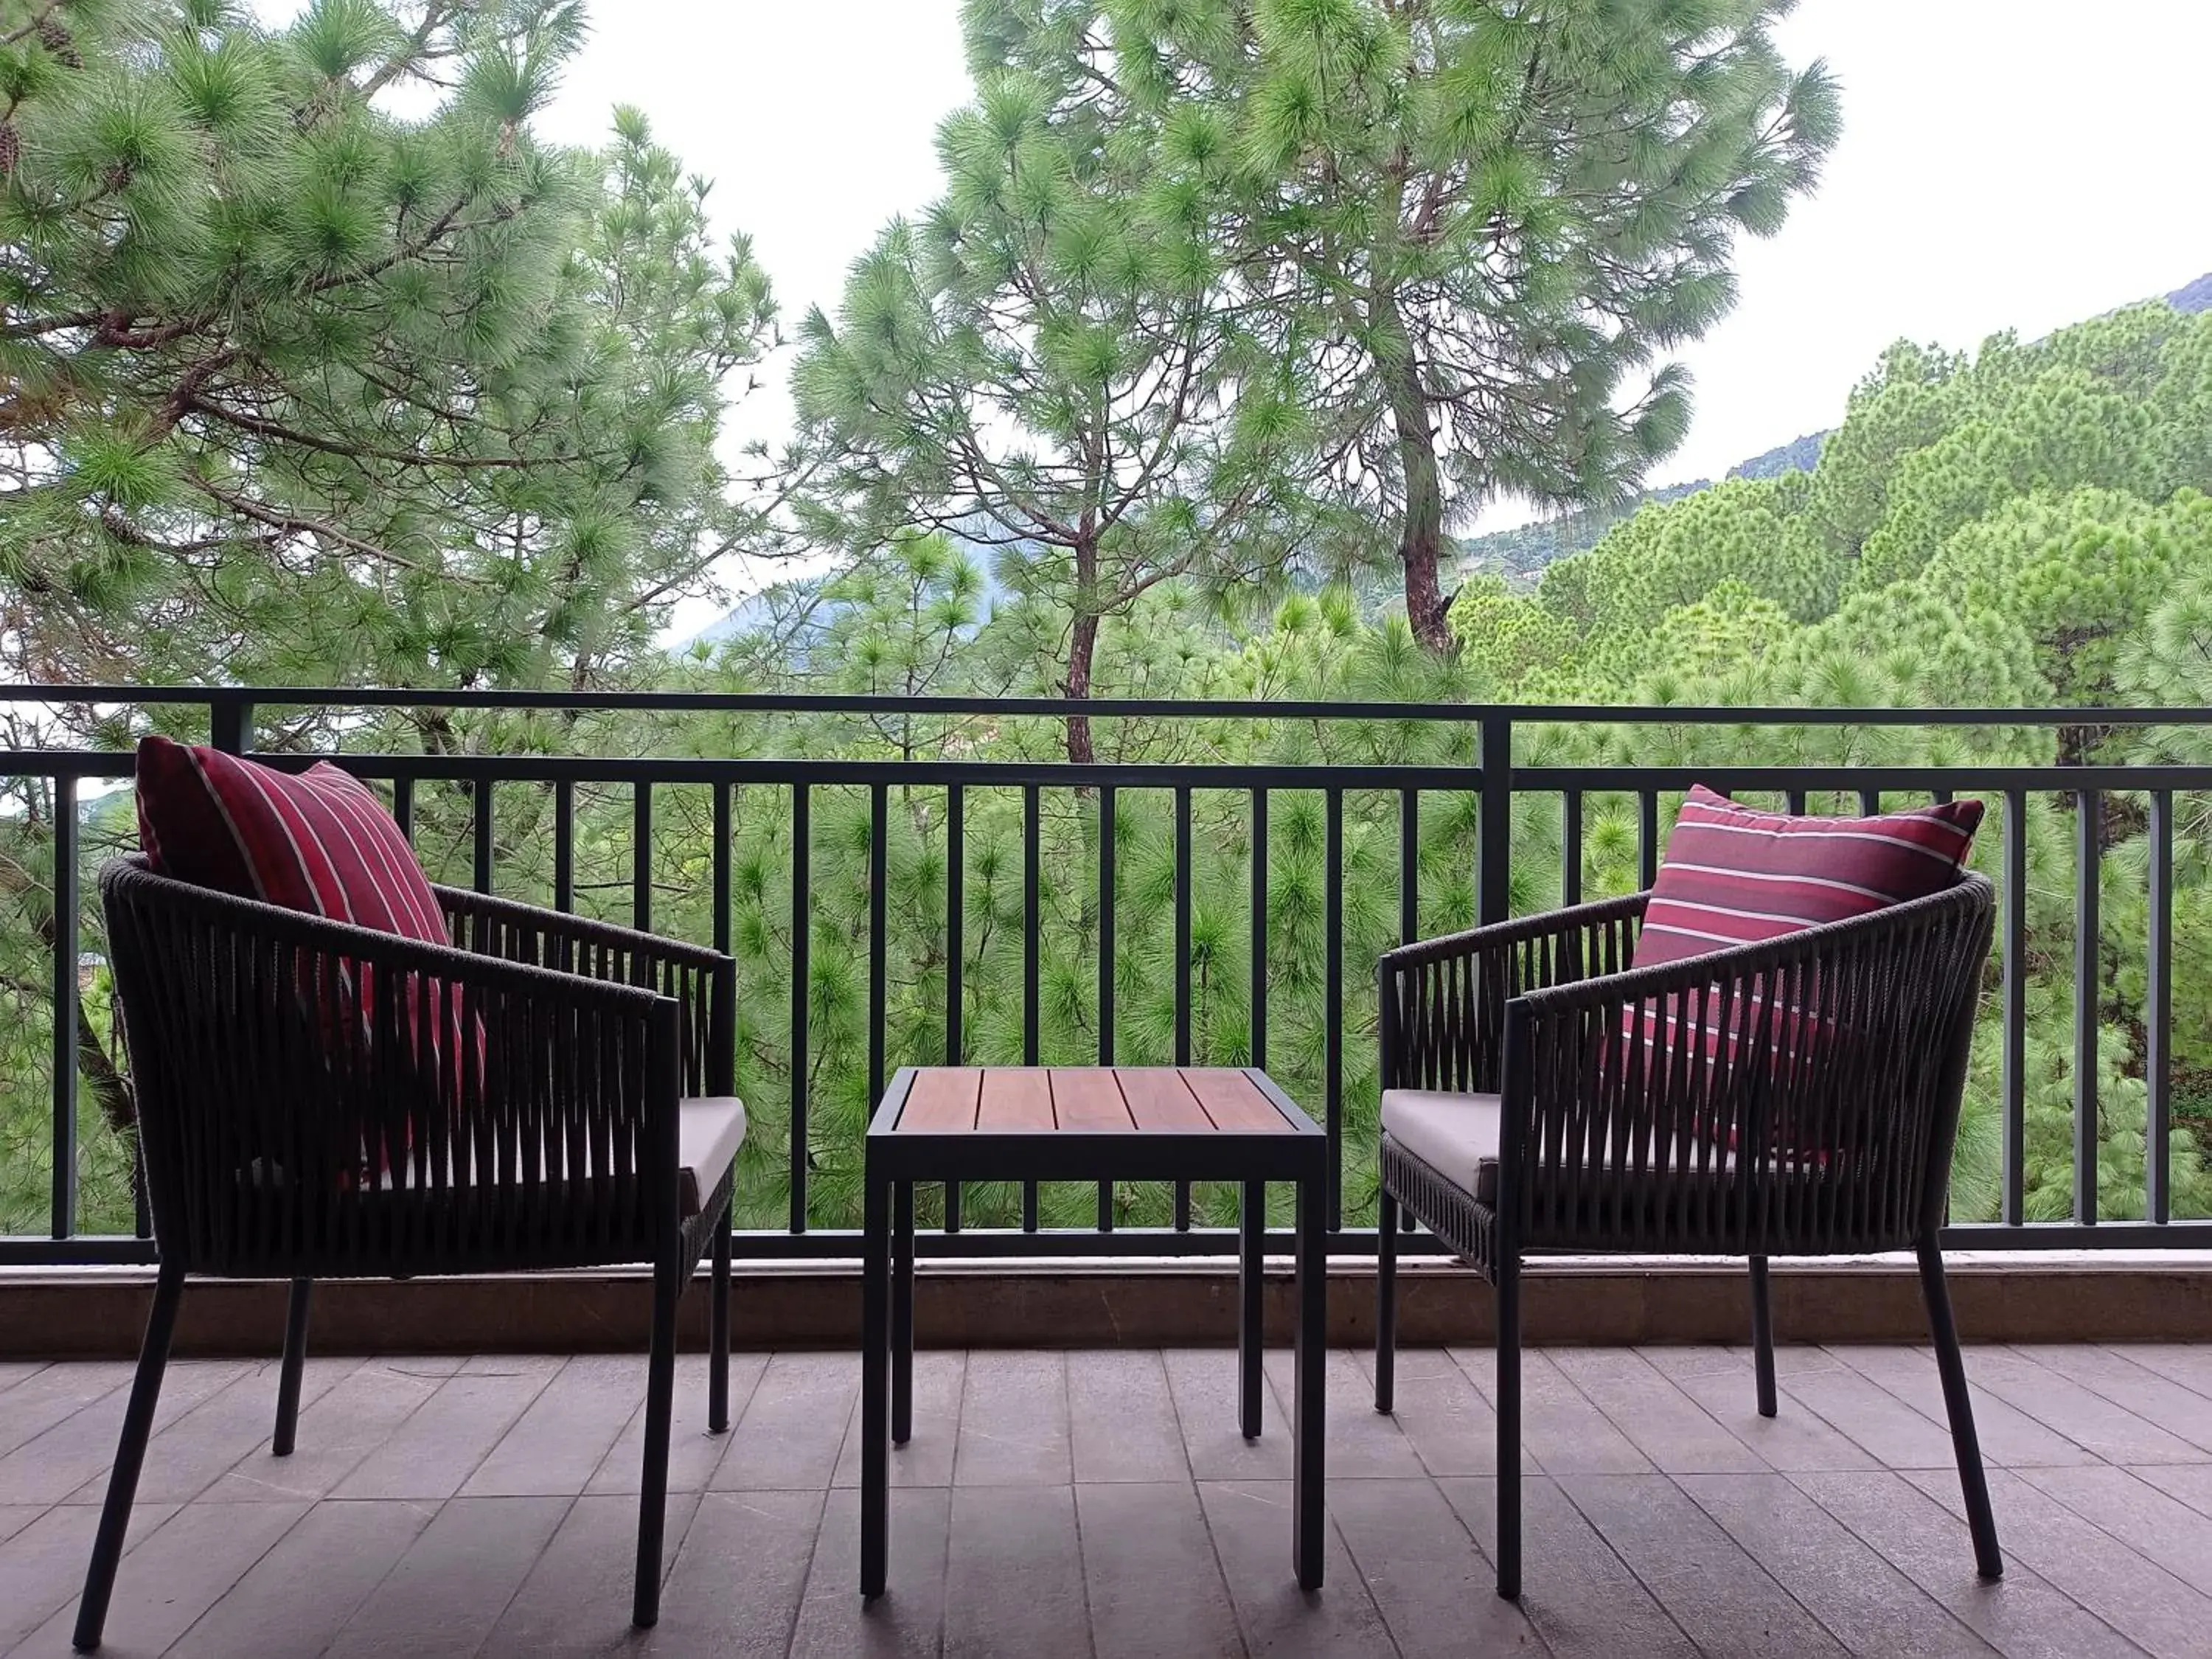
x=1309 y=1408
x=875 y=1388
x=1252 y=1232
x=901 y=1313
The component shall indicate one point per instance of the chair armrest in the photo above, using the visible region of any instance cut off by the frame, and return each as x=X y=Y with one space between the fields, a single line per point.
x=1444 y=999
x=703 y=982
x=1840 y=1049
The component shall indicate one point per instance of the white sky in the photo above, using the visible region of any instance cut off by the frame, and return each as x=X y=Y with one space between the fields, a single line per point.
x=2004 y=164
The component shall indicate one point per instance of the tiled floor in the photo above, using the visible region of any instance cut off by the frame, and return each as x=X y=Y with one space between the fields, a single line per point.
x=1056 y=1504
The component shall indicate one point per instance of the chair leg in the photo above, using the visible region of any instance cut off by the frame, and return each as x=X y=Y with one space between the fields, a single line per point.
x=1386 y=1300
x=1959 y=1404
x=1762 y=1335
x=718 y=1339
x=130 y=1457
x=652 y=1490
x=295 y=1358
x=1508 y=1426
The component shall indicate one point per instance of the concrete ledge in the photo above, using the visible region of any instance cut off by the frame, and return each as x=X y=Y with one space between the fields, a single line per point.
x=2007 y=1298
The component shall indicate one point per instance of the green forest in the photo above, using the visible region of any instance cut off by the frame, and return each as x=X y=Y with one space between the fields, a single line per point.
x=1230 y=313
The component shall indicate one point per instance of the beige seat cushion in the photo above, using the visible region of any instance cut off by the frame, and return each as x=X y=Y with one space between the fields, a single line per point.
x=708 y=1134
x=1454 y=1134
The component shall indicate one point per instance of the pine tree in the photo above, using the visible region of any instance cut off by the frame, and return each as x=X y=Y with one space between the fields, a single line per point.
x=294 y=387
x=1485 y=222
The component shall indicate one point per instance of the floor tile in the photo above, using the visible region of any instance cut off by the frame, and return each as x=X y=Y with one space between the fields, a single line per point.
x=1121 y=1418
x=42 y=1566
x=1561 y=1431
x=2023 y=1616
x=939 y=1375
x=180 y=1571
x=1579 y=1594
x=1250 y=1521
x=449 y=1590
x=2135 y=1596
x=1444 y=1416
x=198 y=1448
x=1013 y=1573
x=1013 y=1422
x=2009 y=1436
x=335 y=1432
x=298 y=1596
x=79 y=1446
x=1203 y=1383
x=908 y=1620
x=1868 y=1414
x=1679 y=1436
x=432 y=1454
x=2180 y=1411
x=556 y=1445
x=1436 y=1591
x=1722 y=1600
x=694 y=1454
x=1860 y=1600
x=1722 y=1380
x=2064 y=1406
x=1361 y=1442
x=1153 y=1582
x=577 y=1598
x=734 y=1590
x=793 y=1426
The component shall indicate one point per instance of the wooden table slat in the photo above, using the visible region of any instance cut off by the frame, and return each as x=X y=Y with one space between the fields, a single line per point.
x=1160 y=1100
x=1088 y=1100
x=943 y=1098
x=1014 y=1098
x=1234 y=1102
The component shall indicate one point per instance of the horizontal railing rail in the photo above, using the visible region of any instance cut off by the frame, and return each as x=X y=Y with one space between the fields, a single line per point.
x=1489 y=778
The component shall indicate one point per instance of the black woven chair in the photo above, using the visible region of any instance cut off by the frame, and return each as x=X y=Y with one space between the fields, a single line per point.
x=318 y=1101
x=1525 y=1109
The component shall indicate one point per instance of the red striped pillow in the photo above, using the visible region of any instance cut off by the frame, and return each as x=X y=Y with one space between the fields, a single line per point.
x=317 y=840
x=1733 y=875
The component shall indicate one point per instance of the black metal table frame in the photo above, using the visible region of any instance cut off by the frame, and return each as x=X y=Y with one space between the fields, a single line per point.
x=897 y=1160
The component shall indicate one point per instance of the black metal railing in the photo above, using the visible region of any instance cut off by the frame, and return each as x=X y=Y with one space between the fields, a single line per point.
x=1489 y=775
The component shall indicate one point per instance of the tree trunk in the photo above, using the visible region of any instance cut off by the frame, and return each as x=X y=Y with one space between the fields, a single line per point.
x=1420 y=543
x=1081 y=647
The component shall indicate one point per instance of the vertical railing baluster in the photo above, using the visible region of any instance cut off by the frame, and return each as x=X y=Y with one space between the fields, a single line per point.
x=1869 y=802
x=1033 y=926
x=879 y=813
x=1258 y=965
x=65 y=1008
x=564 y=846
x=2158 y=1017
x=1108 y=861
x=2013 y=1207
x=2089 y=817
x=402 y=806
x=1571 y=848
x=802 y=950
x=1647 y=839
x=721 y=866
x=1332 y=994
x=1182 y=1013
x=1794 y=802
x=230 y=723
x=1409 y=865
x=1493 y=894
x=641 y=856
x=480 y=837
x=956 y=920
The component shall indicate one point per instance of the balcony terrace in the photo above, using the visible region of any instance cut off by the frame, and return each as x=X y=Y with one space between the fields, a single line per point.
x=1077 y=1483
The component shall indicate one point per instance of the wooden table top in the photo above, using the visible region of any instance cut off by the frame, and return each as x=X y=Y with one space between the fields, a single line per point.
x=1089 y=1100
